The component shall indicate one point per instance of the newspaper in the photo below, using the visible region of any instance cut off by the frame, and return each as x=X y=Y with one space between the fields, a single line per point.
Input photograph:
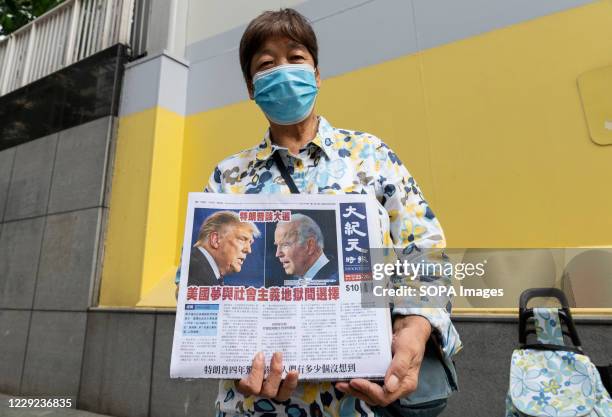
x=279 y=273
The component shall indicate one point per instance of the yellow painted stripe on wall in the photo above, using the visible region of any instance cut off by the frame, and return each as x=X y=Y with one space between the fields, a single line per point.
x=124 y=244
x=141 y=242
x=164 y=218
x=512 y=161
x=492 y=128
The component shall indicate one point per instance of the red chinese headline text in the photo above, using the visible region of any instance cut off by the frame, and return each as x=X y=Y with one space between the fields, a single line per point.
x=195 y=293
x=265 y=216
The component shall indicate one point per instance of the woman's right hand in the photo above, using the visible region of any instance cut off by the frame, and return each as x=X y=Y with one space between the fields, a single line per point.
x=274 y=386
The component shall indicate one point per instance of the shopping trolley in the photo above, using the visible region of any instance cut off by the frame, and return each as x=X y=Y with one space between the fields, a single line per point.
x=549 y=378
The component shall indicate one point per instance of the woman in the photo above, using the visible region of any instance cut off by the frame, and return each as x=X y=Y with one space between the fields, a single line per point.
x=302 y=152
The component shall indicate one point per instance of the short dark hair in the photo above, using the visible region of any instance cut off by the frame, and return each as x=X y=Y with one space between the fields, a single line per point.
x=284 y=22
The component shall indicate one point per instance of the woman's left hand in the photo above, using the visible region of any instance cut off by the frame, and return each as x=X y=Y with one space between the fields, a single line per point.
x=410 y=336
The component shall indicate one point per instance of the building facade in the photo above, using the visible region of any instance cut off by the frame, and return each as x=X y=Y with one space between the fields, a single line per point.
x=493 y=106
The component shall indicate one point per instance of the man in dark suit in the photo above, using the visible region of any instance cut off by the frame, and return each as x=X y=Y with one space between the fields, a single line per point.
x=299 y=249
x=221 y=249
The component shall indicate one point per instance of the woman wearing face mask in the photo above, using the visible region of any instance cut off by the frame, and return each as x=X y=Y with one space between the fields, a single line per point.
x=301 y=152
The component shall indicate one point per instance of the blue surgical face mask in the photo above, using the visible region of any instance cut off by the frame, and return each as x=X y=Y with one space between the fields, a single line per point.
x=286 y=94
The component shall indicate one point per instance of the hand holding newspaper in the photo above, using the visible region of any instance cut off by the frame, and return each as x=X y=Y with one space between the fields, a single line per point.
x=279 y=273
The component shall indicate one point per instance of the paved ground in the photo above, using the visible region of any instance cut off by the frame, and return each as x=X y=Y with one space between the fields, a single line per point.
x=7 y=411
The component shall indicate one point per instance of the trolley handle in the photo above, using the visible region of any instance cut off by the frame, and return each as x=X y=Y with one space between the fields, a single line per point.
x=565 y=316
x=543 y=292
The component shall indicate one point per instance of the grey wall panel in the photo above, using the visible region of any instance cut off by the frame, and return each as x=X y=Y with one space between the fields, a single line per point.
x=228 y=41
x=215 y=82
x=28 y=193
x=140 y=86
x=6 y=166
x=177 y=397
x=216 y=45
x=316 y=10
x=173 y=85
x=80 y=166
x=54 y=354
x=443 y=21
x=67 y=260
x=355 y=33
x=158 y=80
x=13 y=335
x=20 y=243
x=362 y=36
x=117 y=364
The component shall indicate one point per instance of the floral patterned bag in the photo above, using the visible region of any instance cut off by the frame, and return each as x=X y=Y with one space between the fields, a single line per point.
x=548 y=378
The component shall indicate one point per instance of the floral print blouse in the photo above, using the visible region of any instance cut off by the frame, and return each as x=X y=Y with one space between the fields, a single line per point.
x=336 y=161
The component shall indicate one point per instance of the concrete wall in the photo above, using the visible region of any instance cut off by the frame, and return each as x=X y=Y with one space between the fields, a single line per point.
x=115 y=363
x=121 y=366
x=126 y=368
x=53 y=205
x=54 y=199
x=208 y=18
